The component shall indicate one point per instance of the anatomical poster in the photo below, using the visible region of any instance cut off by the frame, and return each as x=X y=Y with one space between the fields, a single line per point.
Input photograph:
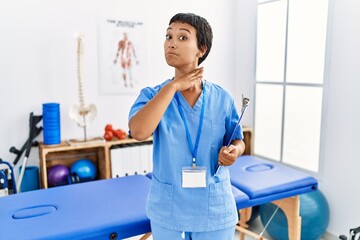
x=121 y=51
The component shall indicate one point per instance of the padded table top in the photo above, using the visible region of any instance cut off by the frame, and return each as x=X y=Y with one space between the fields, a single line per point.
x=50 y=213
x=241 y=199
x=264 y=181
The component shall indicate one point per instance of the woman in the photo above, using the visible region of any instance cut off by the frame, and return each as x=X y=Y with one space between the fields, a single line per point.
x=191 y=120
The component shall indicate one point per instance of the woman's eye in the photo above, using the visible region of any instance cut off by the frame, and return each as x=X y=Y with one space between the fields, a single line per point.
x=167 y=37
x=182 y=38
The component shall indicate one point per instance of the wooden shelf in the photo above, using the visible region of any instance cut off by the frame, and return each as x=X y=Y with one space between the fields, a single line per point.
x=248 y=140
x=98 y=152
x=66 y=154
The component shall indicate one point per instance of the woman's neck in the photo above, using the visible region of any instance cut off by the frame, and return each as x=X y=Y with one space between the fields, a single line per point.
x=180 y=72
x=192 y=94
x=197 y=88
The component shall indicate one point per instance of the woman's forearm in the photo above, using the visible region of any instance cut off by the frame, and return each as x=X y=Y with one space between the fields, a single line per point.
x=240 y=145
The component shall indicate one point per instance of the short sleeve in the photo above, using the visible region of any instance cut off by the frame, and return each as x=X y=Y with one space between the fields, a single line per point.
x=146 y=94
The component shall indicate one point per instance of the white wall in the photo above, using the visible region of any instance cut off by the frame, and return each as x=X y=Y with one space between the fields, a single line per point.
x=244 y=45
x=38 y=59
x=340 y=181
x=37 y=65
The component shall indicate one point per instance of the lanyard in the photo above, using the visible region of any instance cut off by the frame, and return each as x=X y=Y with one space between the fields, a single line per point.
x=192 y=148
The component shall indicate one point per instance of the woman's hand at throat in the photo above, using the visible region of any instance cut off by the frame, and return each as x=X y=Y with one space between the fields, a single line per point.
x=189 y=80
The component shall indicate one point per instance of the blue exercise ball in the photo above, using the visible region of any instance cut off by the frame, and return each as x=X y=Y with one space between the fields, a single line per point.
x=83 y=170
x=314 y=212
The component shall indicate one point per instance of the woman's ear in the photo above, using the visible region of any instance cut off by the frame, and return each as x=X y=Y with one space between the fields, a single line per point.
x=202 y=51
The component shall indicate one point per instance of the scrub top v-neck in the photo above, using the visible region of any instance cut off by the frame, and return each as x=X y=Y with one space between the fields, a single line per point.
x=191 y=209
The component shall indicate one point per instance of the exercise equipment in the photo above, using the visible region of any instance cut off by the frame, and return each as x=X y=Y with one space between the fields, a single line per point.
x=263 y=181
x=8 y=177
x=82 y=170
x=354 y=234
x=314 y=212
x=51 y=123
x=3 y=184
x=58 y=175
x=31 y=179
x=34 y=131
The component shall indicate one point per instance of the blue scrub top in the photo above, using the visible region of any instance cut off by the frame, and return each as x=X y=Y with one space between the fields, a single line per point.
x=191 y=209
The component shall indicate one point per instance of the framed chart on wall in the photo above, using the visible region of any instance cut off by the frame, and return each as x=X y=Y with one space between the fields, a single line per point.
x=122 y=56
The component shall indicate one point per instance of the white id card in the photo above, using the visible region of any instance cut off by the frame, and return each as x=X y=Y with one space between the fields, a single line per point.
x=194 y=177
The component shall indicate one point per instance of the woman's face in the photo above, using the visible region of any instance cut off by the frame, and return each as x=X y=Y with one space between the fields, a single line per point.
x=180 y=46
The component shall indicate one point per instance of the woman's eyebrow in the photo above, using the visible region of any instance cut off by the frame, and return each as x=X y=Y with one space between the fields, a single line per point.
x=184 y=29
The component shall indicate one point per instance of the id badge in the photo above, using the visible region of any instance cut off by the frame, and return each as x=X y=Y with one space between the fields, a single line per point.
x=194 y=177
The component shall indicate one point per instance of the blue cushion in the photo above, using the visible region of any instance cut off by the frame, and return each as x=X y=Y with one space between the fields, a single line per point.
x=265 y=180
x=241 y=199
x=73 y=212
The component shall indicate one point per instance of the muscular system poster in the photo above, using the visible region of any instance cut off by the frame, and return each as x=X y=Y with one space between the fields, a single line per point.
x=121 y=54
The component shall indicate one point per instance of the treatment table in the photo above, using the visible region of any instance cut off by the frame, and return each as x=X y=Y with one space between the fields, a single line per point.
x=264 y=181
x=102 y=209
x=115 y=208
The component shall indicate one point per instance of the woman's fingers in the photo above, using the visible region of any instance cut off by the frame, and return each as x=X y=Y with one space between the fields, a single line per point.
x=190 y=79
x=227 y=155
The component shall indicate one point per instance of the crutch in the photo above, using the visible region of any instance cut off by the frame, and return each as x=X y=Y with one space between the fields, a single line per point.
x=20 y=152
x=34 y=120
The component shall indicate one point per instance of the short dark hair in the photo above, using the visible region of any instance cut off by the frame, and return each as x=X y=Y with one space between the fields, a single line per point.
x=203 y=29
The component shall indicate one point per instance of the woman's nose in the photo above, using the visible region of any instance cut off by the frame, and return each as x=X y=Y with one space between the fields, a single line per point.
x=172 y=44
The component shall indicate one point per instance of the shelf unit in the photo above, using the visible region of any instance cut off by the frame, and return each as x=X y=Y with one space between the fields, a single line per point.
x=98 y=152
x=66 y=154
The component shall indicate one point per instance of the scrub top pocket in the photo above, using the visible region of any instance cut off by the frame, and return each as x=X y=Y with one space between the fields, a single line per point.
x=160 y=200
x=221 y=200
